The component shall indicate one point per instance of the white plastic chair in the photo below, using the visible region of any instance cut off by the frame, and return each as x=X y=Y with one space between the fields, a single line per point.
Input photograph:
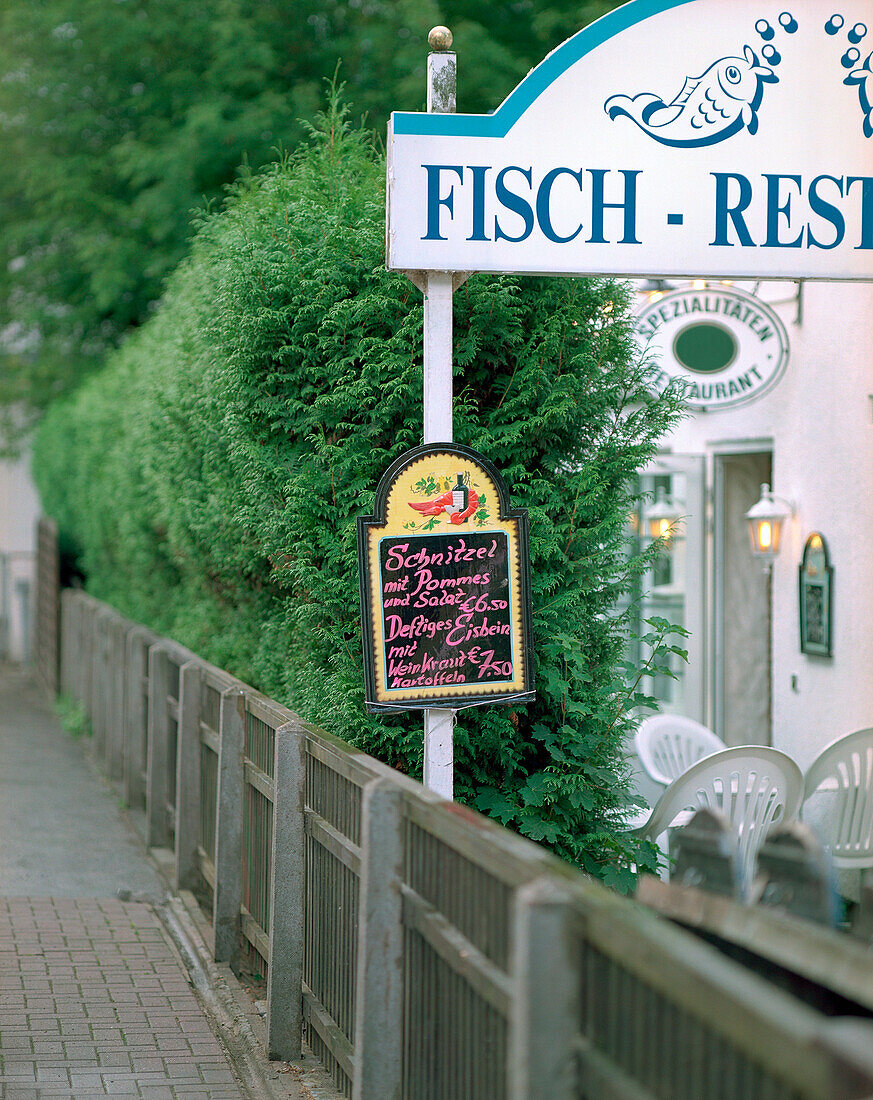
x=668 y=745
x=847 y=765
x=756 y=787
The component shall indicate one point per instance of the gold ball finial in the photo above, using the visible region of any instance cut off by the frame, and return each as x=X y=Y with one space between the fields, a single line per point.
x=440 y=39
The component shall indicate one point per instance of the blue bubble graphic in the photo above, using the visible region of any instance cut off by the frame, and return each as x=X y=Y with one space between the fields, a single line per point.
x=857 y=33
x=850 y=58
x=764 y=29
x=772 y=55
x=787 y=22
x=834 y=24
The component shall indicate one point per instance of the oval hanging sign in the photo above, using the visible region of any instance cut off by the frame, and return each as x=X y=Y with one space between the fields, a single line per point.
x=728 y=346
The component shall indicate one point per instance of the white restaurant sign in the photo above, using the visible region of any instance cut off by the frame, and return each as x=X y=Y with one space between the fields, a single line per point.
x=727 y=346
x=720 y=138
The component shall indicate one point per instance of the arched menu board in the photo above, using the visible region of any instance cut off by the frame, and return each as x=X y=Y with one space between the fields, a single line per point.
x=445 y=585
x=816 y=602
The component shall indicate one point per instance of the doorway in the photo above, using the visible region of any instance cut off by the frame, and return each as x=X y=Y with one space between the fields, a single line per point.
x=742 y=688
x=673 y=588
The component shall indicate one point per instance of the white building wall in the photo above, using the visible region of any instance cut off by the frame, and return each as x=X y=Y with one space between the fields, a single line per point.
x=818 y=421
x=825 y=457
x=19 y=512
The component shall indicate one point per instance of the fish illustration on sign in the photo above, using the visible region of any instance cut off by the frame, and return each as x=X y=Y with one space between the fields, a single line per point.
x=710 y=108
x=863 y=77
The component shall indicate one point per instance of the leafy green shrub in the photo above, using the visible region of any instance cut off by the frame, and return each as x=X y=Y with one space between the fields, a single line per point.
x=212 y=475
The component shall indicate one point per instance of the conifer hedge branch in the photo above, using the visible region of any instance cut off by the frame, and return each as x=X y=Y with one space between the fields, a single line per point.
x=211 y=474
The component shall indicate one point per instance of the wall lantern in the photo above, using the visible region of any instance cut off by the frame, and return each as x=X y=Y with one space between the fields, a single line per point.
x=662 y=517
x=766 y=519
x=655 y=289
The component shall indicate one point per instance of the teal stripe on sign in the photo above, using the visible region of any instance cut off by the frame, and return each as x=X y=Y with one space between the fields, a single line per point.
x=499 y=123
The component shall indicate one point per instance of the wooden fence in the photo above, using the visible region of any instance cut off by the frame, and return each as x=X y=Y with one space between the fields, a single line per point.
x=48 y=576
x=423 y=951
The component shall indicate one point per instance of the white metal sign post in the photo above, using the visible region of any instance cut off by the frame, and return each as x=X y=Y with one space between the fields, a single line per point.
x=438 y=288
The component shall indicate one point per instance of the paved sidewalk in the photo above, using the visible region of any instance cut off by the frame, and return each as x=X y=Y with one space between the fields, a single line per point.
x=62 y=832
x=94 y=1000
x=101 y=990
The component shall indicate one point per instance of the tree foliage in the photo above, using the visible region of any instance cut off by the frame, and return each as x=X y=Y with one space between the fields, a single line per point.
x=212 y=474
x=118 y=118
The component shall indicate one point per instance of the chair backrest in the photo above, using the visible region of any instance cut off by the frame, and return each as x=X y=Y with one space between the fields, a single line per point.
x=754 y=786
x=668 y=745
x=848 y=764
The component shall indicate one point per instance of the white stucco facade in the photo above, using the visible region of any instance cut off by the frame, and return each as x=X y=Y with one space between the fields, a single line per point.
x=19 y=512
x=817 y=424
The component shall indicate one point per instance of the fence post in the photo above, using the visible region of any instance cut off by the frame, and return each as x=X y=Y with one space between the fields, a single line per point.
x=103 y=694
x=157 y=833
x=83 y=652
x=117 y=686
x=89 y=629
x=379 y=993
x=48 y=580
x=863 y=925
x=103 y=700
x=66 y=654
x=110 y=688
x=227 y=896
x=76 y=655
x=97 y=692
x=73 y=608
x=135 y=718
x=187 y=864
x=285 y=973
x=546 y=1015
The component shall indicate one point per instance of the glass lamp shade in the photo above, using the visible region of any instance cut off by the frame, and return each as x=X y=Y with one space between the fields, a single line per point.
x=662 y=517
x=766 y=519
x=655 y=289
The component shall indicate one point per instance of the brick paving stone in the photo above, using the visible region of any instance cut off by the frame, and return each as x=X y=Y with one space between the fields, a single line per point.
x=95 y=1001
x=84 y=1080
x=49 y=1074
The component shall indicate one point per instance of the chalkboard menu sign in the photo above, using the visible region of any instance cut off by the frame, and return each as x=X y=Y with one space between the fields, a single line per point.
x=445 y=589
x=816 y=607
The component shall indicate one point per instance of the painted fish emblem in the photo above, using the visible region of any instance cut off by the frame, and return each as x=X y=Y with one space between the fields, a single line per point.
x=710 y=108
x=863 y=77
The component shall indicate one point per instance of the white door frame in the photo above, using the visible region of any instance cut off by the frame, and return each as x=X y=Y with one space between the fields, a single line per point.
x=694 y=469
x=719 y=452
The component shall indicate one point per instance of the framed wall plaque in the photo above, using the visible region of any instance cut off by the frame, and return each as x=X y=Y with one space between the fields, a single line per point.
x=445 y=585
x=816 y=598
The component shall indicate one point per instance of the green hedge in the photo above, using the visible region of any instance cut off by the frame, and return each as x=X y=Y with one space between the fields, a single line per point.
x=211 y=475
